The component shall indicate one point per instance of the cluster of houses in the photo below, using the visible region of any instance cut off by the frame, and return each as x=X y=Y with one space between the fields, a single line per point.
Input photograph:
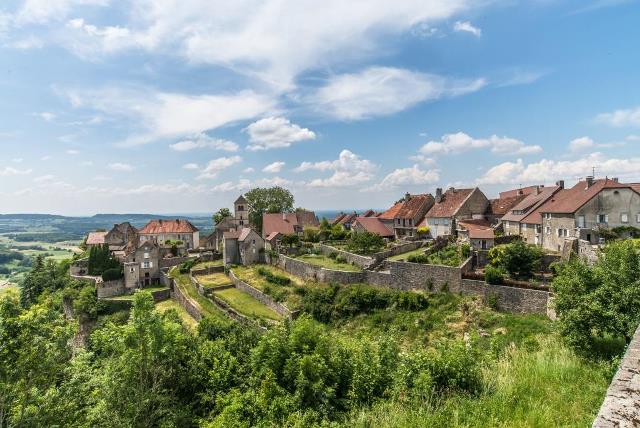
x=543 y=215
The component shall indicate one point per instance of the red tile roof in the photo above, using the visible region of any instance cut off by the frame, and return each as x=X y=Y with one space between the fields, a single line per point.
x=406 y=208
x=391 y=213
x=155 y=227
x=368 y=213
x=272 y=236
x=373 y=225
x=244 y=233
x=570 y=200
x=286 y=223
x=451 y=202
x=504 y=204
x=477 y=229
x=338 y=218
x=521 y=191
x=526 y=208
x=96 y=238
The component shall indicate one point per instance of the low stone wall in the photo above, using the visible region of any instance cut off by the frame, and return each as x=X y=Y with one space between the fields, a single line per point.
x=407 y=276
x=260 y=296
x=174 y=261
x=165 y=279
x=587 y=252
x=79 y=267
x=160 y=295
x=509 y=299
x=621 y=406
x=191 y=306
x=317 y=273
x=398 y=249
x=110 y=288
x=382 y=279
x=207 y=271
x=356 y=259
x=93 y=279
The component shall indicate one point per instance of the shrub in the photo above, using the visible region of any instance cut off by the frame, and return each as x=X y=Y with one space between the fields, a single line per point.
x=311 y=234
x=272 y=277
x=112 y=274
x=465 y=250
x=521 y=260
x=187 y=266
x=423 y=230
x=493 y=275
x=341 y=259
x=332 y=255
x=418 y=258
x=365 y=242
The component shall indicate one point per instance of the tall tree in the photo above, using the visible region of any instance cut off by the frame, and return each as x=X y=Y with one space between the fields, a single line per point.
x=267 y=200
x=220 y=215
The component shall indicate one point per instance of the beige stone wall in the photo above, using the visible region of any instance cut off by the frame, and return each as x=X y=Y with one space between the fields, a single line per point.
x=529 y=234
x=550 y=239
x=476 y=204
x=252 y=249
x=614 y=203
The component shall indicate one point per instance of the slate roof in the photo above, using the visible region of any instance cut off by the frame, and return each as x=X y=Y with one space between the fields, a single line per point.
x=96 y=238
x=477 y=229
x=525 y=209
x=168 y=226
x=451 y=202
x=568 y=201
x=373 y=225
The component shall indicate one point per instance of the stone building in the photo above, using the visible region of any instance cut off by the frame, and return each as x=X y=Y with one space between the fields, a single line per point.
x=121 y=238
x=95 y=239
x=587 y=209
x=373 y=225
x=454 y=205
x=167 y=232
x=241 y=212
x=478 y=233
x=142 y=266
x=243 y=247
x=288 y=223
x=405 y=215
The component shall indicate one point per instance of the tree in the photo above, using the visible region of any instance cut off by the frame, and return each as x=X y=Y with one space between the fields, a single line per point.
x=220 y=215
x=594 y=303
x=267 y=200
x=365 y=242
x=521 y=260
x=311 y=234
x=290 y=240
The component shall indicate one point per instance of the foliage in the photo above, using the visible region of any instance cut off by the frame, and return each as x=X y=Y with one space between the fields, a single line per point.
x=595 y=304
x=423 y=230
x=112 y=274
x=273 y=278
x=45 y=276
x=496 y=255
x=100 y=260
x=290 y=240
x=311 y=234
x=338 y=233
x=451 y=255
x=187 y=266
x=365 y=242
x=220 y=215
x=517 y=258
x=267 y=200
x=493 y=275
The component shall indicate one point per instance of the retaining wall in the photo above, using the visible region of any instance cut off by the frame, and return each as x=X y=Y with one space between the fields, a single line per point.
x=260 y=296
x=406 y=276
x=509 y=299
x=621 y=406
x=191 y=306
x=207 y=271
x=356 y=259
x=110 y=288
x=398 y=249
x=317 y=273
x=173 y=261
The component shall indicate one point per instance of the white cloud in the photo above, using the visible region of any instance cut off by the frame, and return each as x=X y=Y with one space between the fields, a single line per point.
x=42 y=11
x=378 y=91
x=467 y=27
x=164 y=115
x=47 y=116
x=191 y=166
x=122 y=167
x=10 y=171
x=230 y=186
x=548 y=170
x=632 y=138
x=44 y=178
x=248 y=170
x=72 y=152
x=216 y=165
x=276 y=132
x=580 y=144
x=202 y=141
x=274 y=181
x=274 y=167
x=621 y=118
x=348 y=170
x=413 y=176
x=461 y=142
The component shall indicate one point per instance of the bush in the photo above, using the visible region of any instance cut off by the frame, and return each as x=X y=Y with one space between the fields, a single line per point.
x=521 y=260
x=493 y=275
x=272 y=277
x=341 y=259
x=187 y=266
x=332 y=255
x=365 y=242
x=112 y=274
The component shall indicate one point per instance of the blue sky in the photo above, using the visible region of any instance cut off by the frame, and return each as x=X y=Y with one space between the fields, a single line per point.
x=165 y=106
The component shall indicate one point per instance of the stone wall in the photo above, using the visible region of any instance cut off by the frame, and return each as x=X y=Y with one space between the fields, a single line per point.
x=317 y=273
x=110 y=288
x=508 y=299
x=260 y=296
x=621 y=406
x=356 y=259
x=407 y=276
x=398 y=249
x=173 y=261
x=587 y=251
x=160 y=295
x=207 y=271
x=191 y=306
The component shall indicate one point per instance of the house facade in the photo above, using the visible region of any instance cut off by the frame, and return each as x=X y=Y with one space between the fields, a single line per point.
x=166 y=232
x=405 y=216
x=288 y=223
x=478 y=233
x=453 y=205
x=244 y=247
x=142 y=266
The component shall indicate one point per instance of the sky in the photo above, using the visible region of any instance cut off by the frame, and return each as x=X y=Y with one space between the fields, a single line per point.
x=166 y=106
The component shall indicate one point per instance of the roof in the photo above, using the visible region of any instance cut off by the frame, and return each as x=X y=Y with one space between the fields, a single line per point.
x=348 y=218
x=391 y=213
x=244 y=233
x=503 y=205
x=240 y=200
x=286 y=223
x=337 y=219
x=232 y=234
x=96 y=238
x=368 y=213
x=409 y=207
x=451 y=202
x=570 y=200
x=168 y=226
x=520 y=191
x=477 y=229
x=526 y=208
x=273 y=235
x=373 y=225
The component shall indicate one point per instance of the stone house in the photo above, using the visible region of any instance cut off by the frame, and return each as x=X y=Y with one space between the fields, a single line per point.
x=478 y=233
x=272 y=242
x=344 y=220
x=502 y=205
x=121 y=238
x=243 y=247
x=288 y=223
x=453 y=205
x=164 y=232
x=373 y=225
x=95 y=239
x=588 y=208
x=142 y=266
x=405 y=216
x=524 y=218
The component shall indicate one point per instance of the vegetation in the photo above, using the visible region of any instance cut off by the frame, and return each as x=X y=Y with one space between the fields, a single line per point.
x=171 y=305
x=267 y=200
x=517 y=258
x=365 y=242
x=220 y=215
x=493 y=275
x=337 y=263
x=207 y=307
x=451 y=255
x=214 y=280
x=291 y=240
x=101 y=261
x=247 y=304
x=272 y=277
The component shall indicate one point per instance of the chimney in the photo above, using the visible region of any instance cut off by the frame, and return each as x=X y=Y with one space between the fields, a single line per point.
x=560 y=184
x=438 y=195
x=284 y=216
x=614 y=179
x=536 y=190
x=589 y=180
x=407 y=197
x=520 y=192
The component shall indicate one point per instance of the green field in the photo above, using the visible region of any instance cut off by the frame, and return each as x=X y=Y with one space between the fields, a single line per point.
x=207 y=307
x=247 y=305
x=328 y=263
x=213 y=280
x=405 y=256
x=203 y=265
x=169 y=304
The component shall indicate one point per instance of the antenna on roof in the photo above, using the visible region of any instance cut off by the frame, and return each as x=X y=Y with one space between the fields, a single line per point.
x=593 y=171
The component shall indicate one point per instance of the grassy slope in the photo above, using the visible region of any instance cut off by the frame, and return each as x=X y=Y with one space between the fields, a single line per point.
x=326 y=262
x=406 y=255
x=207 y=306
x=203 y=265
x=187 y=319
x=213 y=280
x=246 y=304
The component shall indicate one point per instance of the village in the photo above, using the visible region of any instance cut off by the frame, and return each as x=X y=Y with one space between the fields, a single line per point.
x=451 y=240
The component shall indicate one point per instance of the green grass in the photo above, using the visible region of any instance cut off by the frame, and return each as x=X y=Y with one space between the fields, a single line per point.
x=151 y=289
x=169 y=304
x=207 y=307
x=7 y=288
x=203 y=265
x=128 y=297
x=247 y=304
x=405 y=256
x=213 y=280
x=328 y=263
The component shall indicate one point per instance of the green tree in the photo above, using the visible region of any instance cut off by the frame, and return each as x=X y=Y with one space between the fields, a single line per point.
x=599 y=302
x=267 y=200
x=520 y=259
x=291 y=240
x=365 y=242
x=220 y=215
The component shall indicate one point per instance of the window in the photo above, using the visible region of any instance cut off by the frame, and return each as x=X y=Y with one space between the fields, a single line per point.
x=638 y=218
x=146 y=265
x=506 y=224
x=624 y=218
x=446 y=222
x=240 y=207
x=132 y=270
x=436 y=221
x=603 y=218
x=524 y=227
x=581 y=222
x=146 y=255
x=548 y=230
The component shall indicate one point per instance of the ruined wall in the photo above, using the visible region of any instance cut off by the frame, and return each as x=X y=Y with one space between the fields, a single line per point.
x=173 y=261
x=110 y=288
